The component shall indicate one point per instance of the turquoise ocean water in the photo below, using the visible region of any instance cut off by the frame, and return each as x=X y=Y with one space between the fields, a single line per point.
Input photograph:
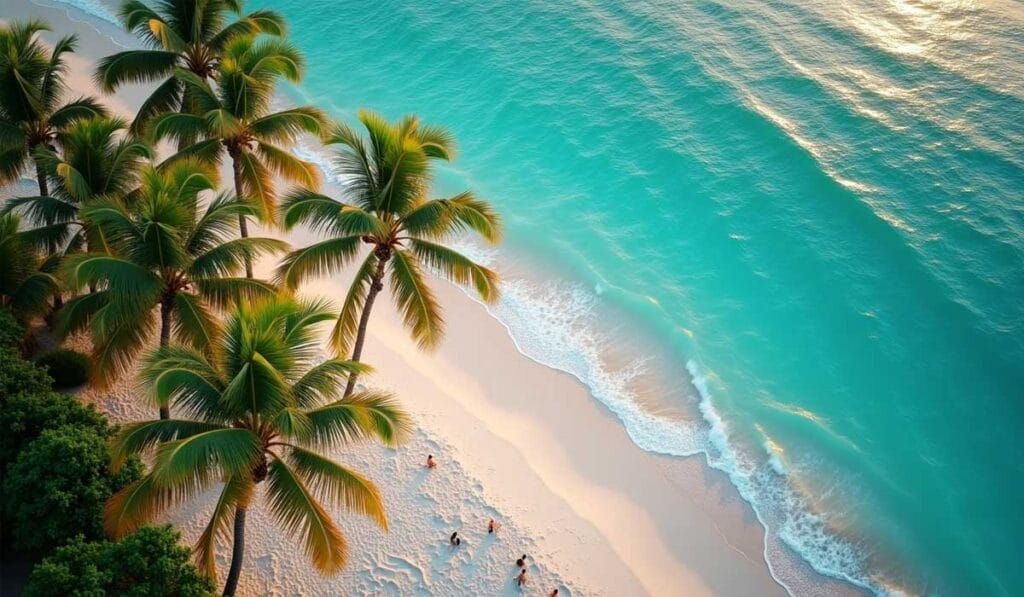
x=787 y=236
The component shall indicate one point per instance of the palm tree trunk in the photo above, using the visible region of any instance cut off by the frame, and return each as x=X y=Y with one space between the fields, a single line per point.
x=51 y=245
x=376 y=285
x=243 y=228
x=166 y=304
x=237 y=553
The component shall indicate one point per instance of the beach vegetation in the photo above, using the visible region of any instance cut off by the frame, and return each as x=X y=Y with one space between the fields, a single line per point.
x=178 y=34
x=390 y=224
x=258 y=407
x=68 y=368
x=33 y=107
x=234 y=117
x=27 y=279
x=167 y=252
x=57 y=486
x=149 y=562
x=95 y=160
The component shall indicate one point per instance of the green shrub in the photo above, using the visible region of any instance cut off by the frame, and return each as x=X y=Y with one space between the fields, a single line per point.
x=57 y=487
x=67 y=367
x=148 y=562
x=18 y=376
x=11 y=332
x=23 y=416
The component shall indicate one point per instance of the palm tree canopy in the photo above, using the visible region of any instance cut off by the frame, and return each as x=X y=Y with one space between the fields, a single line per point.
x=234 y=116
x=164 y=249
x=387 y=181
x=26 y=281
x=96 y=160
x=259 y=406
x=179 y=34
x=32 y=89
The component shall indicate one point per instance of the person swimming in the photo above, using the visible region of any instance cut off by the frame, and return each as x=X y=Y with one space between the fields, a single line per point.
x=521 y=561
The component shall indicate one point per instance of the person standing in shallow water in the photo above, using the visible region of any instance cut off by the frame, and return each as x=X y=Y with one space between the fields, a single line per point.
x=521 y=561
x=430 y=461
x=455 y=540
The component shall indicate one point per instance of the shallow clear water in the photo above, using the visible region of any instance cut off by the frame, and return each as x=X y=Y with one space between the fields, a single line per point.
x=786 y=235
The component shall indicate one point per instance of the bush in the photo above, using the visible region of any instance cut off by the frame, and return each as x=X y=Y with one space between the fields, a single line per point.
x=18 y=376
x=57 y=487
x=148 y=562
x=23 y=416
x=67 y=367
x=11 y=332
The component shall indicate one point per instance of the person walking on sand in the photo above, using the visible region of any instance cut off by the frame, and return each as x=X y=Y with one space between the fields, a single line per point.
x=430 y=461
x=521 y=561
x=521 y=579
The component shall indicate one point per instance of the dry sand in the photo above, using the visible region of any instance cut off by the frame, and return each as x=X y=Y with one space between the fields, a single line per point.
x=515 y=441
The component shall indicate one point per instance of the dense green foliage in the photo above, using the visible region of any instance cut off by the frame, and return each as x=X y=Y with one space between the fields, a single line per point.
x=18 y=376
x=150 y=562
x=57 y=486
x=24 y=416
x=11 y=332
x=68 y=368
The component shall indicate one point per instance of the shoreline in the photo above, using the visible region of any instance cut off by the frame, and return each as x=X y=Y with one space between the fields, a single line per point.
x=561 y=473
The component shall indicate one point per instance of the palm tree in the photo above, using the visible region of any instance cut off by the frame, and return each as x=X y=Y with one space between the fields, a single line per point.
x=32 y=115
x=236 y=117
x=32 y=88
x=163 y=252
x=26 y=281
x=258 y=407
x=181 y=34
x=387 y=181
x=96 y=160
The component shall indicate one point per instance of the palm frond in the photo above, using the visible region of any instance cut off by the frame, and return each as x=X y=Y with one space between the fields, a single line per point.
x=420 y=311
x=134 y=66
x=145 y=499
x=347 y=325
x=228 y=258
x=458 y=268
x=224 y=292
x=302 y=515
x=319 y=259
x=83 y=107
x=184 y=377
x=237 y=492
x=326 y=215
x=136 y=438
x=225 y=451
x=285 y=126
x=194 y=324
x=322 y=382
x=287 y=166
x=339 y=485
x=360 y=416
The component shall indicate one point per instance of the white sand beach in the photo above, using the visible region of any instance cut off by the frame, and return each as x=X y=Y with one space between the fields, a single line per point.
x=514 y=440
